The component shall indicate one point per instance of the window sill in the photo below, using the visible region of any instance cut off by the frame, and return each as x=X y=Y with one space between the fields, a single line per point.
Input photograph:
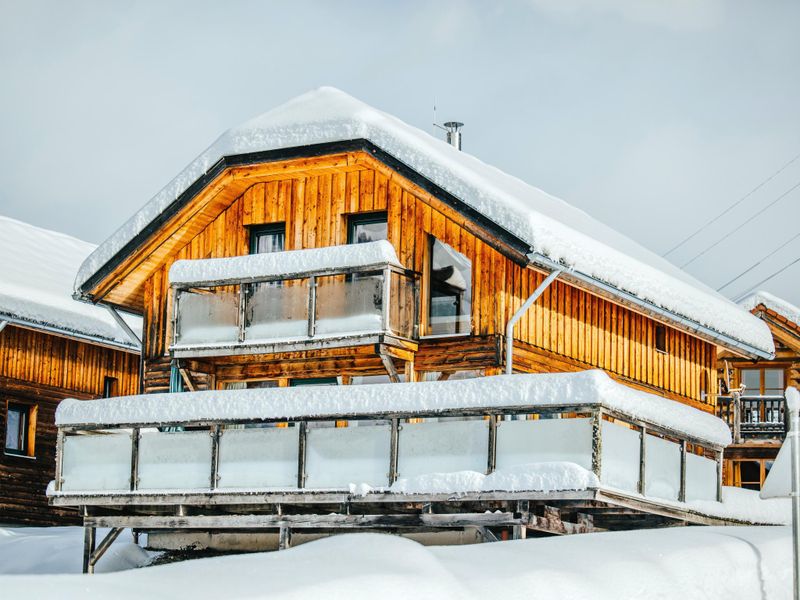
x=440 y=336
x=15 y=455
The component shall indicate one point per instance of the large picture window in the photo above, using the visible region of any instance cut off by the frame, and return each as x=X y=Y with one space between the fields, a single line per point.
x=450 y=291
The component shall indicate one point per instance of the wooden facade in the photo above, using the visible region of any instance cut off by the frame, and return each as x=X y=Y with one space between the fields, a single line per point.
x=37 y=371
x=567 y=329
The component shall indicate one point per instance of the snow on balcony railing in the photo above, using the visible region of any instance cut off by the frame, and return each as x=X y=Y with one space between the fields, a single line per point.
x=248 y=303
x=618 y=437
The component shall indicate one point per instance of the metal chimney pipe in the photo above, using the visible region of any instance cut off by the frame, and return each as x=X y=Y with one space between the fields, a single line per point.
x=453 y=133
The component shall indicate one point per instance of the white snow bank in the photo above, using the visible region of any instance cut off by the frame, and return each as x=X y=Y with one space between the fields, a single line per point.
x=290 y=262
x=552 y=227
x=713 y=563
x=779 y=305
x=544 y=389
x=535 y=477
x=51 y=550
x=37 y=267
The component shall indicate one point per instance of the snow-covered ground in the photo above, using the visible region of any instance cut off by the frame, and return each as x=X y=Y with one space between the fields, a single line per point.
x=685 y=563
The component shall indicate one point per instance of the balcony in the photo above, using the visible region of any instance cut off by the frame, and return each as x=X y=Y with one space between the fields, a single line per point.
x=753 y=417
x=295 y=300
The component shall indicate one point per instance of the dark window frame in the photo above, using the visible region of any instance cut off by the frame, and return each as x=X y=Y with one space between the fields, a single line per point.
x=432 y=239
x=365 y=218
x=254 y=231
x=28 y=422
x=660 y=341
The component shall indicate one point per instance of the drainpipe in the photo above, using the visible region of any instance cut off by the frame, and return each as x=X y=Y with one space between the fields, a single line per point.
x=518 y=315
x=125 y=327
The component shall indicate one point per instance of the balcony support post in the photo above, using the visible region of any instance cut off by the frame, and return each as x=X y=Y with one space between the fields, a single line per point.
x=491 y=463
x=59 y=480
x=386 y=304
x=135 y=436
x=242 y=311
x=736 y=400
x=216 y=433
x=89 y=541
x=642 y=459
x=388 y=364
x=394 y=451
x=301 y=455
x=682 y=489
x=719 y=475
x=312 y=305
x=597 y=443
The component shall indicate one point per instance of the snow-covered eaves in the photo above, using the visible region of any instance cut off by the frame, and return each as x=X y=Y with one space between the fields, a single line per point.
x=36 y=272
x=285 y=265
x=542 y=224
x=429 y=398
x=779 y=306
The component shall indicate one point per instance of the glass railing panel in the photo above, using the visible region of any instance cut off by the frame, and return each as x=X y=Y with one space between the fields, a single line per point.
x=208 y=316
x=544 y=440
x=662 y=468
x=349 y=304
x=97 y=462
x=620 y=456
x=175 y=460
x=258 y=458
x=277 y=310
x=443 y=447
x=339 y=456
x=701 y=478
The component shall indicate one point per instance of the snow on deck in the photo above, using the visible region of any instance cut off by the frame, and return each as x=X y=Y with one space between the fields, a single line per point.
x=502 y=391
x=713 y=563
x=552 y=227
x=37 y=267
x=290 y=262
x=786 y=309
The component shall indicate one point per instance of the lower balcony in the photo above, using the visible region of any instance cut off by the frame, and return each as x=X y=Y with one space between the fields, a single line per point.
x=754 y=417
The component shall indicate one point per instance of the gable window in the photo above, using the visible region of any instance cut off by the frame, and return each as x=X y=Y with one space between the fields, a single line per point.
x=661 y=338
x=367 y=227
x=109 y=387
x=267 y=238
x=20 y=424
x=450 y=290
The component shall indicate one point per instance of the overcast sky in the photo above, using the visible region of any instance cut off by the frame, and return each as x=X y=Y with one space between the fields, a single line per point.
x=651 y=115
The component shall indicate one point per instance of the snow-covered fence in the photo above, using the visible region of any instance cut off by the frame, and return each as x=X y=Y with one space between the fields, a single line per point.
x=637 y=452
x=291 y=299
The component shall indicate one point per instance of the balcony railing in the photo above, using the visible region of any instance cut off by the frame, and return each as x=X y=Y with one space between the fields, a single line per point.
x=324 y=307
x=753 y=416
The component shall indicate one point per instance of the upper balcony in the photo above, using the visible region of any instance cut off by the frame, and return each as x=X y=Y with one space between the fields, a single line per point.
x=753 y=416
x=295 y=300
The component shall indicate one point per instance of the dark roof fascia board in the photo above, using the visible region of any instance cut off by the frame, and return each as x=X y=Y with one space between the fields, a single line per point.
x=311 y=151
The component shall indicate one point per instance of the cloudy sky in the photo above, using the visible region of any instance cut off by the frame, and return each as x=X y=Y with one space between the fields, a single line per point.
x=653 y=116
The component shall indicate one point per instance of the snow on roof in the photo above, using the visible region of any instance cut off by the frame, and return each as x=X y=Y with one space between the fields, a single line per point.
x=36 y=271
x=543 y=389
x=786 y=309
x=552 y=227
x=290 y=262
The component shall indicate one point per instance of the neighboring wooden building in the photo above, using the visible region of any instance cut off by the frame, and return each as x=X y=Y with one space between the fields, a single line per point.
x=51 y=347
x=759 y=421
x=471 y=267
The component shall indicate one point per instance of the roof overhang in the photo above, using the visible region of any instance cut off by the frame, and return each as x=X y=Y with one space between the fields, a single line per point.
x=68 y=333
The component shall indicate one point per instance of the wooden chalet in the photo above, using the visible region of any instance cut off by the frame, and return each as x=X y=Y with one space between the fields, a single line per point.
x=51 y=347
x=241 y=273
x=752 y=397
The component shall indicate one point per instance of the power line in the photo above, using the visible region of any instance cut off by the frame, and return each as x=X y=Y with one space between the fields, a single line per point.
x=735 y=229
x=766 y=279
x=731 y=207
x=761 y=260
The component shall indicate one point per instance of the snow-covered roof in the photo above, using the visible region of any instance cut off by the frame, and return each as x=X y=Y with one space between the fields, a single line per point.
x=283 y=264
x=550 y=226
x=787 y=310
x=37 y=267
x=542 y=389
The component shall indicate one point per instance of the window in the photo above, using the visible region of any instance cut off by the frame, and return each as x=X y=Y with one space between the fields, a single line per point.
x=267 y=238
x=750 y=474
x=450 y=289
x=762 y=382
x=661 y=338
x=109 y=387
x=20 y=427
x=368 y=227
